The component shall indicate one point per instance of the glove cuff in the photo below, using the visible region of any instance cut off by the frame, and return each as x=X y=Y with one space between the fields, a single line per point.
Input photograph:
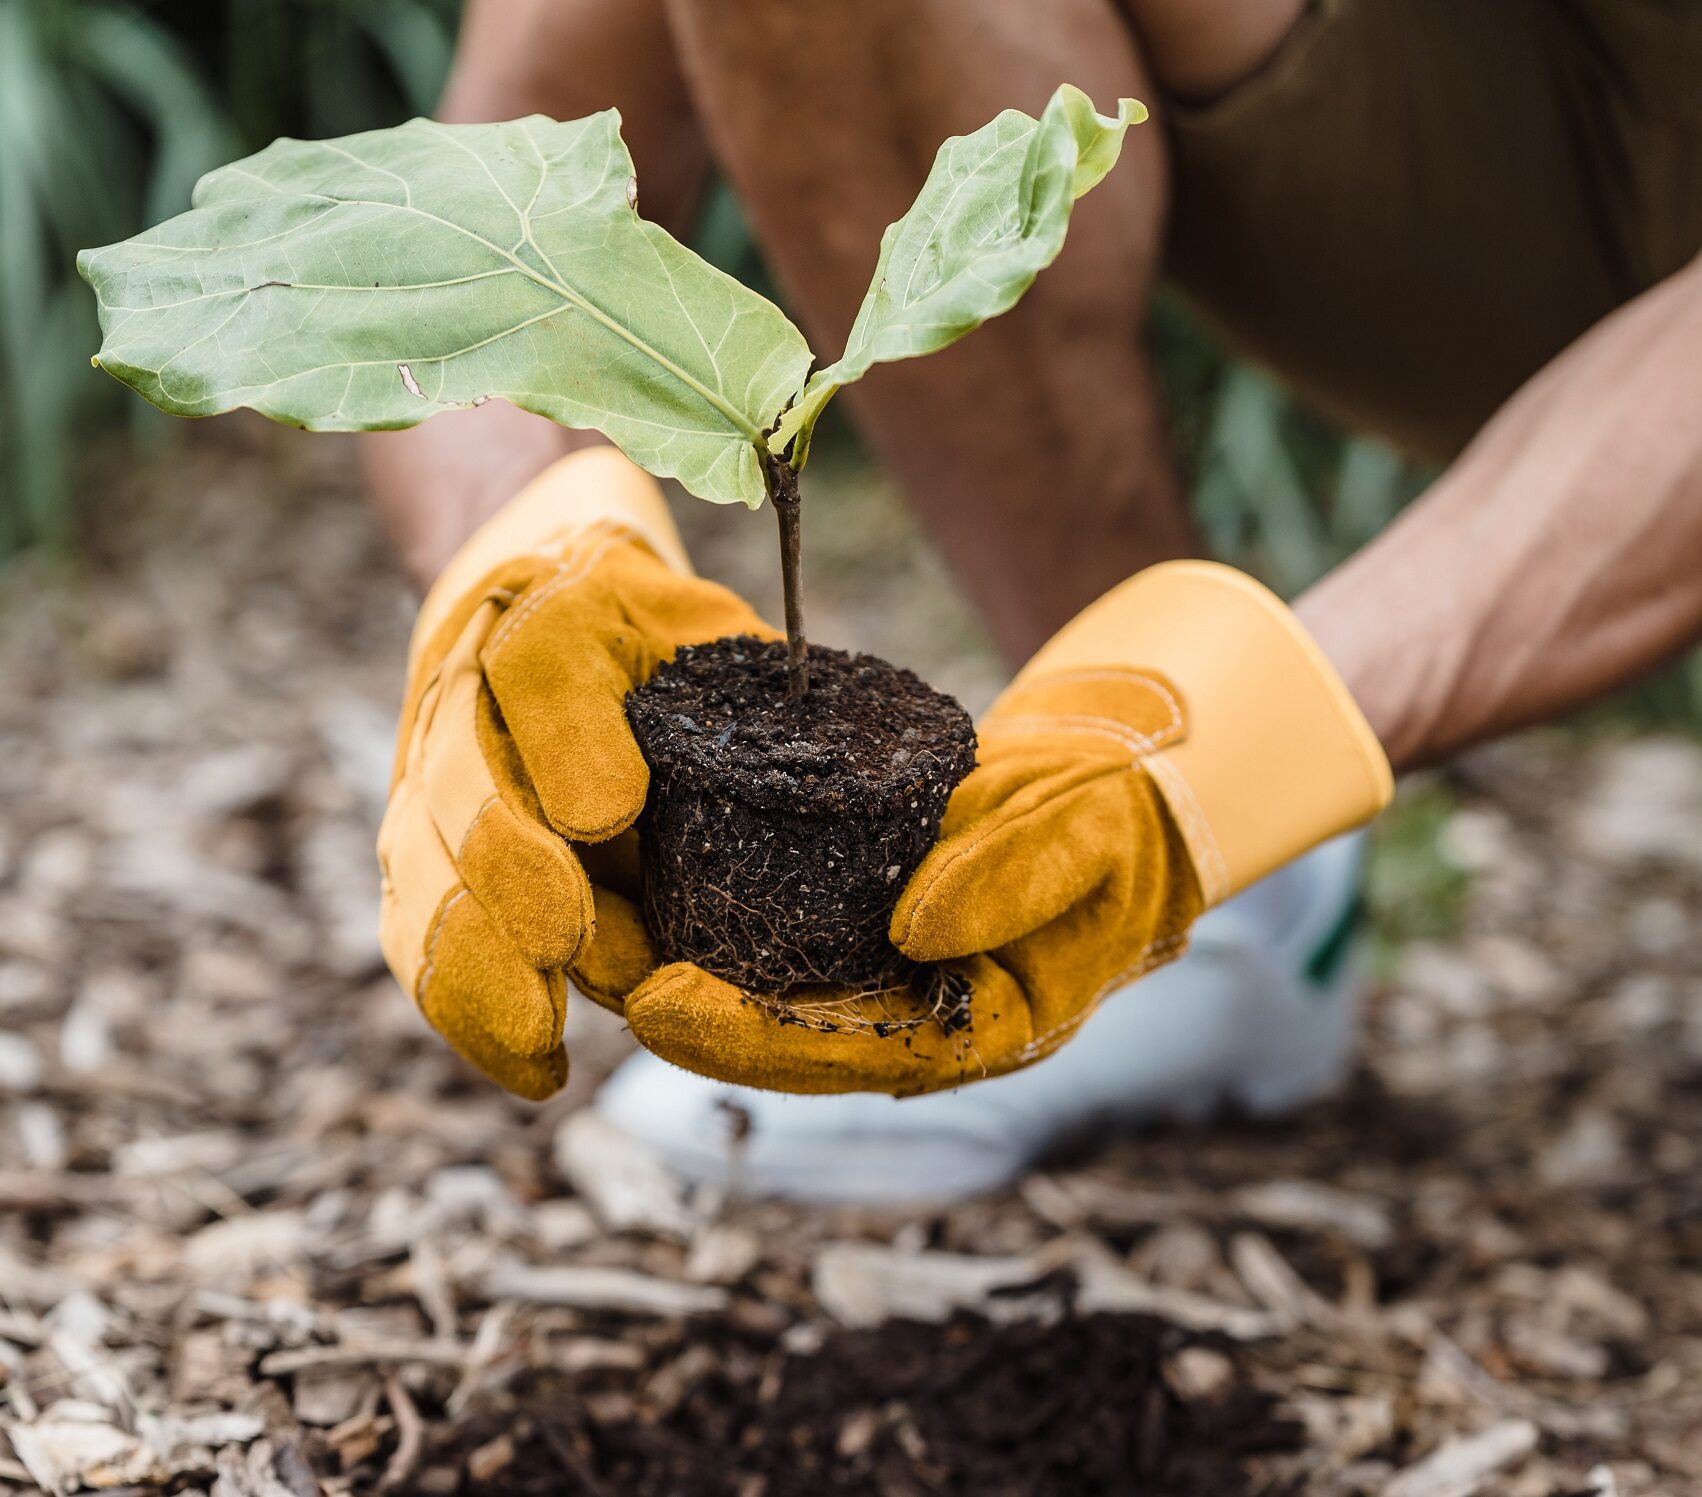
x=595 y=484
x=1277 y=756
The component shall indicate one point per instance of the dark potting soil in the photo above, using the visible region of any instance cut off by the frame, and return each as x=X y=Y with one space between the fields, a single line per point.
x=1078 y=1408
x=779 y=832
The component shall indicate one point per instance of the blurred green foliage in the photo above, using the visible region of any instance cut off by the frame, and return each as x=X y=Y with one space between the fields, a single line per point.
x=109 y=111
x=1413 y=889
x=1277 y=489
x=104 y=123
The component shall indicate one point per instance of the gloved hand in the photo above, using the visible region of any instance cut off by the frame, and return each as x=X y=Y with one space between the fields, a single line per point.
x=1178 y=740
x=505 y=867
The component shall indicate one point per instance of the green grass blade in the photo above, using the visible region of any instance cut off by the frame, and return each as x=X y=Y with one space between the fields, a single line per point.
x=151 y=74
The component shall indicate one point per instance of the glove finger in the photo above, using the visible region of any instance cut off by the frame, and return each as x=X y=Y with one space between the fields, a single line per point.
x=474 y=983
x=431 y=944
x=562 y=664
x=619 y=956
x=523 y=874
x=671 y=610
x=471 y=983
x=534 y=1077
x=830 y=1041
x=1025 y=840
x=560 y=667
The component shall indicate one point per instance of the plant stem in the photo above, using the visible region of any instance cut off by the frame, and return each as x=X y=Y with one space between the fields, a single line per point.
x=783 y=492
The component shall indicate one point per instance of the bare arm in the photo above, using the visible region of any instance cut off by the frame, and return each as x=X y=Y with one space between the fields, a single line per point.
x=1559 y=557
x=436 y=483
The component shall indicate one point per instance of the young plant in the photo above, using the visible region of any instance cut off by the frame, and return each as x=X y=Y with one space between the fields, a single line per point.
x=369 y=282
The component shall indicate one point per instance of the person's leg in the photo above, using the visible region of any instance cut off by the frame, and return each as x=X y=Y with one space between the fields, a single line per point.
x=1035 y=450
x=1199 y=52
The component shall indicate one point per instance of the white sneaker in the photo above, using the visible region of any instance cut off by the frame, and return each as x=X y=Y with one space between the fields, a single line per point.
x=1259 y=1013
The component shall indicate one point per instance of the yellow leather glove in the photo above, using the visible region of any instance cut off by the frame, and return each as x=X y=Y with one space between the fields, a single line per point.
x=1178 y=740
x=505 y=868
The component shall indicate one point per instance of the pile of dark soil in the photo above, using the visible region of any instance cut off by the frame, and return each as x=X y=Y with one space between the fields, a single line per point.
x=779 y=832
x=1082 y=1407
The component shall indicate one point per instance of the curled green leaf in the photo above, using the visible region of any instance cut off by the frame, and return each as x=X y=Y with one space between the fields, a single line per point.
x=991 y=216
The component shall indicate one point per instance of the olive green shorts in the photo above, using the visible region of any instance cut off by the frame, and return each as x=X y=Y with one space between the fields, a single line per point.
x=1416 y=203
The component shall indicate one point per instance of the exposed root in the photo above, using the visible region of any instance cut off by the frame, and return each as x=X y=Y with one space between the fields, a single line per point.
x=930 y=998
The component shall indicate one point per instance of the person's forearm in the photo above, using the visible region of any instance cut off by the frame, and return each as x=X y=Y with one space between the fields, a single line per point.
x=435 y=484
x=1559 y=557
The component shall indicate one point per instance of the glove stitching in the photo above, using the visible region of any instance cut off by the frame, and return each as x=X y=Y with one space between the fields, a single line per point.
x=430 y=966
x=1153 y=954
x=1101 y=727
x=1114 y=673
x=586 y=916
x=478 y=816
x=1196 y=830
x=562 y=539
x=566 y=573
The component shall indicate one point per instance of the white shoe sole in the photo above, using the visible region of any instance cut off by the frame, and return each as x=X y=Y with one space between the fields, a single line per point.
x=1242 y=1020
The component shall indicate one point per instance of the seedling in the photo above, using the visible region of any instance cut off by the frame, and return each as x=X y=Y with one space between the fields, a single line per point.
x=367 y=283
x=370 y=282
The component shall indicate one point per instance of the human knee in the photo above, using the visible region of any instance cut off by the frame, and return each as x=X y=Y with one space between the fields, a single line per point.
x=1200 y=49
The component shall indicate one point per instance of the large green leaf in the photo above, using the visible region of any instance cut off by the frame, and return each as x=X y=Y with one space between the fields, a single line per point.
x=371 y=281
x=991 y=216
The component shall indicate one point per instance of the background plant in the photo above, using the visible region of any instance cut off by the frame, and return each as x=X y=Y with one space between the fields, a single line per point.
x=109 y=112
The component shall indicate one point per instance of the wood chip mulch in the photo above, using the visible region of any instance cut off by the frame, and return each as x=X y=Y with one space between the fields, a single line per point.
x=261 y=1234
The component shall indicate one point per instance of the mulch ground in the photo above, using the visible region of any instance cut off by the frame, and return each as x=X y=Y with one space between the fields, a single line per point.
x=260 y=1233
